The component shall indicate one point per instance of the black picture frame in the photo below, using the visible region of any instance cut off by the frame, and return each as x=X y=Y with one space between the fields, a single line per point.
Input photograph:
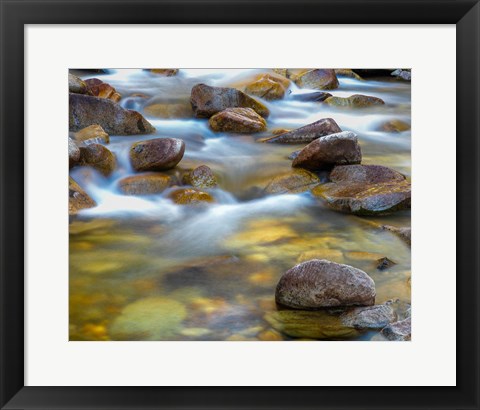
x=15 y=14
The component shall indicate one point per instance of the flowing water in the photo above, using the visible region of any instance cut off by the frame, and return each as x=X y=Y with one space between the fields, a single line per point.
x=144 y=268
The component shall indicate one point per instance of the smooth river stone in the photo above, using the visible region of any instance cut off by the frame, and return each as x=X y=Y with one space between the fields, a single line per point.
x=200 y=177
x=268 y=87
x=237 y=120
x=366 y=190
x=308 y=133
x=370 y=317
x=149 y=184
x=207 y=101
x=73 y=153
x=320 y=283
x=354 y=101
x=157 y=154
x=399 y=331
x=77 y=198
x=85 y=110
x=324 y=153
x=98 y=157
x=319 y=79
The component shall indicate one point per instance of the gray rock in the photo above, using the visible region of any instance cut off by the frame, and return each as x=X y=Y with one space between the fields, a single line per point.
x=308 y=133
x=404 y=233
x=399 y=331
x=402 y=74
x=324 y=153
x=76 y=85
x=73 y=153
x=320 y=283
x=371 y=317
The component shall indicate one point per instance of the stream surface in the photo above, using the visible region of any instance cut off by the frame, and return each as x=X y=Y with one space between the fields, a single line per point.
x=144 y=268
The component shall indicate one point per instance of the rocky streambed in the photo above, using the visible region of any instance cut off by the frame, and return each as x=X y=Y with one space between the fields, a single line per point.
x=239 y=204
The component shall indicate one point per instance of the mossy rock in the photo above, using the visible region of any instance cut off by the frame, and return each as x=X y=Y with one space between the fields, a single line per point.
x=354 y=101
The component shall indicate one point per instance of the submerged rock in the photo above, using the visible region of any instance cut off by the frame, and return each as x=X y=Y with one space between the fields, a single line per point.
x=370 y=317
x=98 y=157
x=394 y=126
x=384 y=263
x=154 y=318
x=77 y=198
x=399 y=331
x=404 y=233
x=201 y=177
x=169 y=109
x=85 y=111
x=76 y=85
x=320 y=283
x=268 y=87
x=157 y=154
x=207 y=101
x=186 y=196
x=310 y=324
x=354 y=101
x=73 y=153
x=319 y=79
x=308 y=133
x=92 y=134
x=311 y=97
x=294 y=182
x=100 y=89
x=325 y=152
x=366 y=190
x=237 y=120
x=149 y=184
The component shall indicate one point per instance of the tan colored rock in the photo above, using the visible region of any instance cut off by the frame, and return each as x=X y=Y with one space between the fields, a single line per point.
x=394 y=126
x=91 y=134
x=326 y=152
x=207 y=101
x=354 y=101
x=296 y=181
x=365 y=190
x=186 y=196
x=165 y=72
x=76 y=85
x=268 y=87
x=318 y=79
x=157 y=154
x=320 y=283
x=237 y=120
x=85 y=111
x=200 y=177
x=98 y=157
x=100 y=89
x=169 y=109
x=346 y=72
x=77 y=198
x=149 y=184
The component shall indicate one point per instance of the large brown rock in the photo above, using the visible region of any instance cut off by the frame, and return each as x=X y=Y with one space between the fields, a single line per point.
x=86 y=110
x=320 y=283
x=98 y=157
x=354 y=101
x=76 y=85
x=91 y=134
x=73 y=153
x=149 y=184
x=306 y=134
x=200 y=177
x=100 y=89
x=326 y=152
x=366 y=190
x=187 y=196
x=318 y=79
x=207 y=101
x=77 y=198
x=268 y=87
x=157 y=154
x=237 y=120
x=299 y=180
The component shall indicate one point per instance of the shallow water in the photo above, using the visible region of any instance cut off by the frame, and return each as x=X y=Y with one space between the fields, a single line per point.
x=143 y=268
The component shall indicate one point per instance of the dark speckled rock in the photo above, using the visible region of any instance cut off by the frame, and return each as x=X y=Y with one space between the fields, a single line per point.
x=370 y=317
x=399 y=331
x=308 y=133
x=320 y=283
x=326 y=152
x=73 y=153
x=157 y=154
x=237 y=120
x=207 y=101
x=85 y=110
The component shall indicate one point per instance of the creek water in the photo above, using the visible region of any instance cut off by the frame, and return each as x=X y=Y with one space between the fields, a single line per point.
x=144 y=268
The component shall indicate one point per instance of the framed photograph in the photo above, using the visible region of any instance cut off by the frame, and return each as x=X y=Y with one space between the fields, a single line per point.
x=269 y=204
